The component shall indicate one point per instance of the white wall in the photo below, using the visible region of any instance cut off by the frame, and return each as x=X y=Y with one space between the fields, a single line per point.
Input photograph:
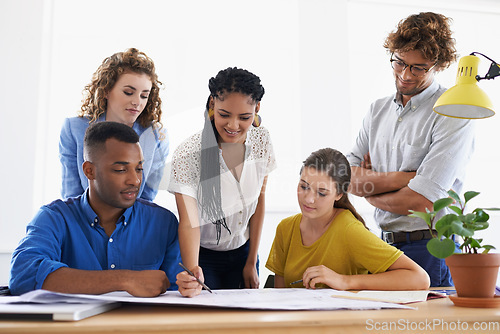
x=21 y=39
x=321 y=63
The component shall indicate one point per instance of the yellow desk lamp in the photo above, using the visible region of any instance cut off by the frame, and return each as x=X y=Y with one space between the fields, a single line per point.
x=466 y=99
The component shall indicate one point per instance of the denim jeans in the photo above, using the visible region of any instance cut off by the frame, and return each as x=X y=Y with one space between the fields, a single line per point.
x=224 y=269
x=436 y=268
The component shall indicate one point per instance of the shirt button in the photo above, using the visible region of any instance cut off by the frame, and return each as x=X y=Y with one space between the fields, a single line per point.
x=110 y=239
x=92 y=224
x=125 y=223
x=239 y=223
x=400 y=119
x=241 y=212
x=414 y=107
x=112 y=266
x=96 y=220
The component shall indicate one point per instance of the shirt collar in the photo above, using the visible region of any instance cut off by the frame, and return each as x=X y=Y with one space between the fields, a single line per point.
x=136 y=126
x=420 y=98
x=92 y=217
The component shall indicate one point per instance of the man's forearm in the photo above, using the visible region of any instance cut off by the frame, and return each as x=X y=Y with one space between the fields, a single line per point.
x=145 y=283
x=70 y=280
x=366 y=182
x=399 y=202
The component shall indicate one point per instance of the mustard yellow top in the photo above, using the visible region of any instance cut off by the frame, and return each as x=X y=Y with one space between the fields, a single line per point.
x=346 y=247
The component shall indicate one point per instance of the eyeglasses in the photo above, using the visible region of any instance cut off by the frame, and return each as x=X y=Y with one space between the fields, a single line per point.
x=418 y=71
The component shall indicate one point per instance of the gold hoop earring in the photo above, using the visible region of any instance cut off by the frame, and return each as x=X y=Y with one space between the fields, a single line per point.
x=211 y=114
x=257 y=121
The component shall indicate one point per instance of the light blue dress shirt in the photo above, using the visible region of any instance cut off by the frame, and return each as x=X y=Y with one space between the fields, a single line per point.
x=67 y=234
x=74 y=181
x=415 y=138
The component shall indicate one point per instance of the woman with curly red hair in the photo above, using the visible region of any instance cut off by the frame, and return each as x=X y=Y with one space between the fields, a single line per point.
x=124 y=89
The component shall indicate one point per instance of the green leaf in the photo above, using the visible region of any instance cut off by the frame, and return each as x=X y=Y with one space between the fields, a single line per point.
x=441 y=248
x=442 y=203
x=474 y=243
x=456 y=209
x=470 y=195
x=479 y=226
x=481 y=216
x=469 y=218
x=459 y=229
x=487 y=248
x=454 y=195
x=443 y=225
x=422 y=215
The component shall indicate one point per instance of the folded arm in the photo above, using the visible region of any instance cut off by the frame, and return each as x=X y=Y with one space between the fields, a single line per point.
x=366 y=182
x=400 y=201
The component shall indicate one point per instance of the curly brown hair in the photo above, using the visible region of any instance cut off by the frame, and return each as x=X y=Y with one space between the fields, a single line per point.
x=105 y=77
x=427 y=32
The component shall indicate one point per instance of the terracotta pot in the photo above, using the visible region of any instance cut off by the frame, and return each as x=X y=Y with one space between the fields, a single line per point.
x=474 y=275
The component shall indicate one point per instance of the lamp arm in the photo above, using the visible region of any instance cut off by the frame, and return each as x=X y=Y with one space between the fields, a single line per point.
x=494 y=70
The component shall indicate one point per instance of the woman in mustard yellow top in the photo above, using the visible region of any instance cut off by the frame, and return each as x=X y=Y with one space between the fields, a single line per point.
x=328 y=245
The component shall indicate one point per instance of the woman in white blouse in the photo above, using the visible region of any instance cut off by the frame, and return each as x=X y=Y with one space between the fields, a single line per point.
x=218 y=178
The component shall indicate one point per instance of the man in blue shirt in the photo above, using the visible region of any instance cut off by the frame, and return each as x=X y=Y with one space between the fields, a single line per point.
x=406 y=156
x=106 y=239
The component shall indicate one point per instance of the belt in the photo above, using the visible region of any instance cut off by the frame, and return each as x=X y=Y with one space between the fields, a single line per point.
x=397 y=237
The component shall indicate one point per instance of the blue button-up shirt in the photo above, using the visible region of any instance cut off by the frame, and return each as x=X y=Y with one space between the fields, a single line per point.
x=68 y=234
x=415 y=138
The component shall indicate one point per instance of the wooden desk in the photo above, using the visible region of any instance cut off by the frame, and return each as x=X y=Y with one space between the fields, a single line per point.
x=434 y=316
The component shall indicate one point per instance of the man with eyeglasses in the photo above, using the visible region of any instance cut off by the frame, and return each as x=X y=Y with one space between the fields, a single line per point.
x=406 y=156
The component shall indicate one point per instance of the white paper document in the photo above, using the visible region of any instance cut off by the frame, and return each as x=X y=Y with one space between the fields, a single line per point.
x=399 y=297
x=263 y=299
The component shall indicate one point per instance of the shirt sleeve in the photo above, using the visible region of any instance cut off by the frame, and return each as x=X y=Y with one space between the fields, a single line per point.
x=271 y=160
x=277 y=257
x=71 y=185
x=369 y=251
x=185 y=173
x=38 y=254
x=361 y=146
x=153 y=179
x=451 y=148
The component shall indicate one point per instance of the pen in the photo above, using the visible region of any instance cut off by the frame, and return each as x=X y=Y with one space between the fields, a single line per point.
x=299 y=281
x=190 y=273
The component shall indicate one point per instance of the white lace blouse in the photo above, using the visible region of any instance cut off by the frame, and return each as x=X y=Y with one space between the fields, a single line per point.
x=239 y=199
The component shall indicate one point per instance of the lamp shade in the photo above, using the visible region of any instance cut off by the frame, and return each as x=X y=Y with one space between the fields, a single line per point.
x=465 y=99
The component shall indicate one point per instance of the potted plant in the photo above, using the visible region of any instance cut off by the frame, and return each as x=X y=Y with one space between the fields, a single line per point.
x=475 y=262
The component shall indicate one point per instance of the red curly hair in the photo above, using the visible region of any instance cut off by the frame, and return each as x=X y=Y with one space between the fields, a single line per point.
x=427 y=32
x=105 y=77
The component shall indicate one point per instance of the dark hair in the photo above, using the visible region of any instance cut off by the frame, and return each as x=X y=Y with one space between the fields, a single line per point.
x=106 y=76
x=335 y=164
x=98 y=133
x=235 y=80
x=230 y=80
x=426 y=32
